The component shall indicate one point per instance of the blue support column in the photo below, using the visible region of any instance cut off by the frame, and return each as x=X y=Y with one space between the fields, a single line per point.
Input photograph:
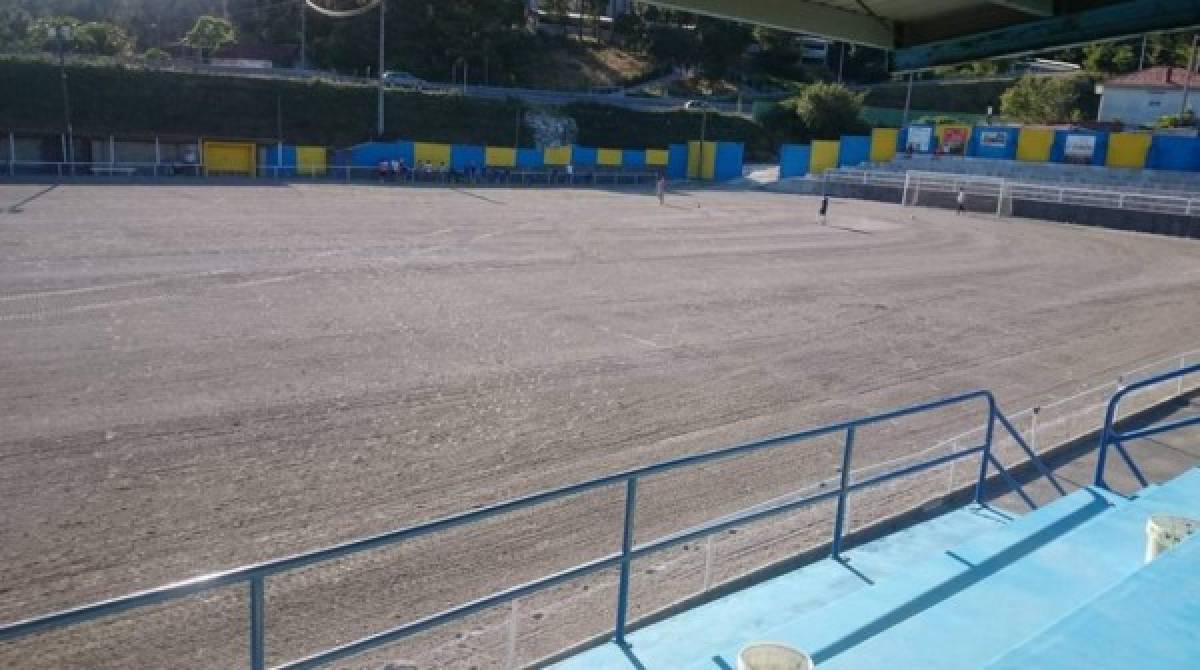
x=840 y=520
x=626 y=548
x=258 y=628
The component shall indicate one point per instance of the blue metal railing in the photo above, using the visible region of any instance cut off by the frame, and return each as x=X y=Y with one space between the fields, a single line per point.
x=1109 y=436
x=255 y=576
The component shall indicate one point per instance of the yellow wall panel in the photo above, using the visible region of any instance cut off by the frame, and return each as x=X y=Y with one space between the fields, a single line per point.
x=1034 y=144
x=500 y=157
x=1128 y=149
x=608 y=157
x=824 y=155
x=883 y=144
x=656 y=156
x=702 y=160
x=557 y=156
x=230 y=158
x=311 y=160
x=436 y=154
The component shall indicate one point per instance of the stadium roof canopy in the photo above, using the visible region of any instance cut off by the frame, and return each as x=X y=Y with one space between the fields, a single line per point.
x=927 y=33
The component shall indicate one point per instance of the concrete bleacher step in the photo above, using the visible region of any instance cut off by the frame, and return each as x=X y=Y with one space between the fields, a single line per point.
x=971 y=604
x=669 y=643
x=1147 y=621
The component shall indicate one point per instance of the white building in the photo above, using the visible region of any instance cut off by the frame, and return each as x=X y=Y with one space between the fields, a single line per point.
x=1141 y=98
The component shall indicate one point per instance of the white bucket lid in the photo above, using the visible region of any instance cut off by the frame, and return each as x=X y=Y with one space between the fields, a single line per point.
x=772 y=656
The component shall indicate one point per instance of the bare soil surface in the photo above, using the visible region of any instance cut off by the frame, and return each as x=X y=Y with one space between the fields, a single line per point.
x=196 y=377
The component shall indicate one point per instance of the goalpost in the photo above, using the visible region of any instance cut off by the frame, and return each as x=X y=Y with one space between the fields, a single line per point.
x=920 y=184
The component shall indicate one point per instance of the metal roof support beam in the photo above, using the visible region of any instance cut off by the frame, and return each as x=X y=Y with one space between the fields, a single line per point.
x=1114 y=21
x=1043 y=8
x=799 y=16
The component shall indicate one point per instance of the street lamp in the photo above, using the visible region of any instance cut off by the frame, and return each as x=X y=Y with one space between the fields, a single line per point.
x=704 y=109
x=62 y=35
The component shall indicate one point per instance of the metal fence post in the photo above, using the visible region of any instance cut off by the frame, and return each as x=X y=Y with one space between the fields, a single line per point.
x=157 y=155
x=987 y=451
x=12 y=154
x=840 y=519
x=511 y=652
x=708 y=563
x=258 y=632
x=1033 y=425
x=626 y=548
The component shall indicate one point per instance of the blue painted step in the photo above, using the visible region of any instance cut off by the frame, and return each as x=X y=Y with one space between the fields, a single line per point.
x=968 y=606
x=1148 y=621
x=731 y=619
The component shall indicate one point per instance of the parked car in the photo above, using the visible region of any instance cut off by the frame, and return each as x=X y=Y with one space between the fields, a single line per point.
x=403 y=80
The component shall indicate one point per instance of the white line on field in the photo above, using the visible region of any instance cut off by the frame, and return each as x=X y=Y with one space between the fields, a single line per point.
x=108 y=287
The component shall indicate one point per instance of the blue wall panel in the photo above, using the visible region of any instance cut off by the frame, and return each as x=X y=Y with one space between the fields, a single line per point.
x=529 y=158
x=677 y=161
x=1174 y=153
x=583 y=156
x=793 y=160
x=463 y=156
x=976 y=146
x=369 y=154
x=1058 y=152
x=728 y=161
x=633 y=158
x=855 y=150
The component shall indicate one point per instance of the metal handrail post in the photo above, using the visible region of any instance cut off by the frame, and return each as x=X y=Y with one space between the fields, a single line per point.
x=987 y=450
x=626 y=549
x=258 y=629
x=840 y=519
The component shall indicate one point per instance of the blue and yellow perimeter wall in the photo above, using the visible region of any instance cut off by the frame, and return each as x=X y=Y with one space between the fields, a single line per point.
x=710 y=160
x=1021 y=143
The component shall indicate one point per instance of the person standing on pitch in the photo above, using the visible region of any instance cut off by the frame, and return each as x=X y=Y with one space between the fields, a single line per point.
x=962 y=201
x=824 y=209
x=660 y=188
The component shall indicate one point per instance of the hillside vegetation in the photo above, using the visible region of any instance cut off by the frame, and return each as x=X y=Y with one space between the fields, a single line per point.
x=132 y=101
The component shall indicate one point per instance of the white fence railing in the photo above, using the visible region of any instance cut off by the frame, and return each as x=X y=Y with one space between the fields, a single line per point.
x=914 y=183
x=500 y=176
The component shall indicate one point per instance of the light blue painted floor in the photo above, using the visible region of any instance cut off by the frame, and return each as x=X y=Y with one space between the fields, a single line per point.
x=956 y=592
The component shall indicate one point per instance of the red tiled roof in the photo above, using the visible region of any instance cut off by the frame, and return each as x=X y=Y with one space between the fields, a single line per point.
x=1155 y=77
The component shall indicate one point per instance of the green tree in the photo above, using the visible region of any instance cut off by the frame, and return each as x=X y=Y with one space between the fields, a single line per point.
x=829 y=111
x=671 y=45
x=1040 y=99
x=722 y=44
x=103 y=38
x=155 y=55
x=1109 y=58
x=210 y=33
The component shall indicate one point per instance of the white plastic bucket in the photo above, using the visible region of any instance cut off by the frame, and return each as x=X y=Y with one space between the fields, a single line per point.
x=772 y=656
x=1164 y=531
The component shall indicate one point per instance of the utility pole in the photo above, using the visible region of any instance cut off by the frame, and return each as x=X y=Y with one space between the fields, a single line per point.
x=304 y=35
x=907 y=100
x=62 y=34
x=517 y=135
x=841 y=59
x=1187 y=82
x=1142 y=58
x=703 y=128
x=382 y=5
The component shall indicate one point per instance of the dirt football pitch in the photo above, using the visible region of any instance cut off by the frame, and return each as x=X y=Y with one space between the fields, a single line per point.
x=194 y=377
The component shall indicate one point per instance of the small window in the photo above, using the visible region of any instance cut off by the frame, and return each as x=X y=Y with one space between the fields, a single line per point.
x=1156 y=103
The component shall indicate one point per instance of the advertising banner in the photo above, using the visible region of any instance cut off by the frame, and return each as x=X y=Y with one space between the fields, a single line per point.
x=920 y=138
x=954 y=140
x=1079 y=148
x=996 y=139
